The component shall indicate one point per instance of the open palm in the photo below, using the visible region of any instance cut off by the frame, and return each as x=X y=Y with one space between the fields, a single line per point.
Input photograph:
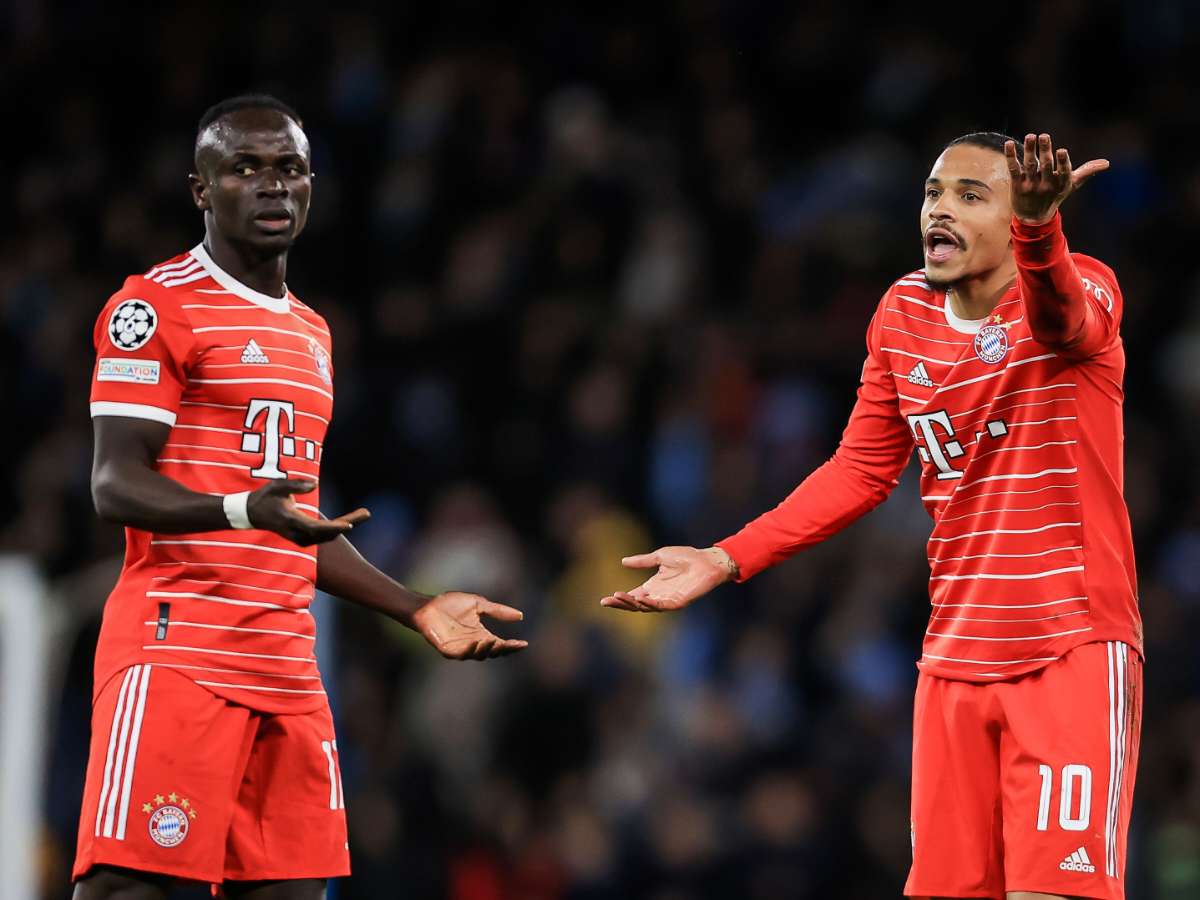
x=451 y=623
x=684 y=573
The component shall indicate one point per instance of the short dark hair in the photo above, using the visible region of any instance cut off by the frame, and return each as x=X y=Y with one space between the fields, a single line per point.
x=245 y=101
x=992 y=140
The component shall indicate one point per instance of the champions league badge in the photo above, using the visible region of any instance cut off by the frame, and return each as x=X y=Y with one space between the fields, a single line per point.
x=991 y=342
x=321 y=358
x=170 y=819
x=132 y=324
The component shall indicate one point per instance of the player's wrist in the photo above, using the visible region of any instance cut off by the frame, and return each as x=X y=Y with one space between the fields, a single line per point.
x=722 y=560
x=237 y=511
x=1035 y=221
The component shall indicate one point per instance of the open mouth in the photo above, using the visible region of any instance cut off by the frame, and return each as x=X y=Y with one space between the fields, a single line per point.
x=941 y=244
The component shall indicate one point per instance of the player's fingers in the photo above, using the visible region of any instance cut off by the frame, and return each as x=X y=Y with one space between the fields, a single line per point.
x=641 y=561
x=482 y=649
x=354 y=518
x=504 y=648
x=1087 y=170
x=500 y=611
x=291 y=486
x=626 y=603
x=464 y=651
x=1029 y=161
x=1045 y=156
x=618 y=603
x=1010 y=155
x=306 y=530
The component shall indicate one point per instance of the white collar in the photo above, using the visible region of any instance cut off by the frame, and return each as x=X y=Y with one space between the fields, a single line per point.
x=231 y=284
x=958 y=323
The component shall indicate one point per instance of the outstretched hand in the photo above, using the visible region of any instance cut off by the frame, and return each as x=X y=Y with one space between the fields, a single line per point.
x=1043 y=178
x=451 y=623
x=273 y=508
x=684 y=573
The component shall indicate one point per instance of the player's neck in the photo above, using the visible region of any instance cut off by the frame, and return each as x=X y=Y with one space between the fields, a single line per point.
x=264 y=274
x=976 y=296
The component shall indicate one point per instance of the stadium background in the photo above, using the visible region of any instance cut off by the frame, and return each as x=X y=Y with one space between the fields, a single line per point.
x=598 y=280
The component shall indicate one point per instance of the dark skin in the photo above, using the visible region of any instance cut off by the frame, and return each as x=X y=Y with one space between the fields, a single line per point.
x=253 y=182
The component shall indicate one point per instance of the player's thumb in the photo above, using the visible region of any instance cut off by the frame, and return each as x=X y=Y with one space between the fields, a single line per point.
x=1087 y=170
x=501 y=612
x=641 y=561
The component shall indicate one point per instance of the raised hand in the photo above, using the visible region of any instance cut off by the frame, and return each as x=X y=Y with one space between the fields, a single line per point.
x=684 y=573
x=1043 y=178
x=272 y=508
x=451 y=623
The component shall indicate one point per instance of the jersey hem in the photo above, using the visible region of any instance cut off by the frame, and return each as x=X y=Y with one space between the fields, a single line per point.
x=937 y=671
x=83 y=868
x=286 y=875
x=132 y=411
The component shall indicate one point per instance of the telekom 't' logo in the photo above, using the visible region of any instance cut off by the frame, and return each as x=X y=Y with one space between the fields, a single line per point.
x=272 y=440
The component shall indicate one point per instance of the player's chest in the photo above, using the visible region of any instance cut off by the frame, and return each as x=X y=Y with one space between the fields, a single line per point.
x=977 y=398
x=275 y=366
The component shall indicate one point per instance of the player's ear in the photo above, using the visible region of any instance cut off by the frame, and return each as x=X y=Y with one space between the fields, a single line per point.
x=199 y=191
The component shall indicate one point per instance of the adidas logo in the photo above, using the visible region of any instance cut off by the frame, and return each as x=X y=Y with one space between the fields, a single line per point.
x=919 y=375
x=1077 y=862
x=252 y=353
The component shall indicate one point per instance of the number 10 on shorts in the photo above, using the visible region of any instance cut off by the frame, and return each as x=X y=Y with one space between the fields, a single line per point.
x=1075 y=777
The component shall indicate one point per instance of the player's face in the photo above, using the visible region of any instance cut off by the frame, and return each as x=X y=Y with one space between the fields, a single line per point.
x=966 y=214
x=255 y=180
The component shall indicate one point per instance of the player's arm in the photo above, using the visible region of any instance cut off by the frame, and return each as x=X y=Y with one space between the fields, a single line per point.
x=874 y=449
x=1064 y=313
x=127 y=489
x=449 y=621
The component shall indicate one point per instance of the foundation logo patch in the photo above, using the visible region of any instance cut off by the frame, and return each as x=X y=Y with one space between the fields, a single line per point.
x=170 y=819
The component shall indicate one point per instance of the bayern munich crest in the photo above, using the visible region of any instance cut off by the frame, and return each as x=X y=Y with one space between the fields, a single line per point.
x=991 y=342
x=132 y=324
x=321 y=360
x=170 y=819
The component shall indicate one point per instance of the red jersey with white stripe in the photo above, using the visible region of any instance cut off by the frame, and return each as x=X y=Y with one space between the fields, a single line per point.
x=245 y=382
x=1020 y=442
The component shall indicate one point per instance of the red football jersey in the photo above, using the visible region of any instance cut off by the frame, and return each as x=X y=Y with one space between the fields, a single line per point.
x=1021 y=464
x=246 y=383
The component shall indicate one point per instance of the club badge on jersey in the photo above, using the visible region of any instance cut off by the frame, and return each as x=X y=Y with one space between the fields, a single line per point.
x=170 y=819
x=321 y=360
x=991 y=341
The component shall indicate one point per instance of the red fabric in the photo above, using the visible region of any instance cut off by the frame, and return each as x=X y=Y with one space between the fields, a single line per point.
x=256 y=788
x=238 y=620
x=1020 y=439
x=977 y=800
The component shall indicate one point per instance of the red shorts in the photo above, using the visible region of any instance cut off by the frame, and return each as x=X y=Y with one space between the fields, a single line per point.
x=183 y=783
x=1027 y=785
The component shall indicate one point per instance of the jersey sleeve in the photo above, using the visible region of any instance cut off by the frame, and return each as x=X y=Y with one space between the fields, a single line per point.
x=874 y=449
x=144 y=346
x=1073 y=302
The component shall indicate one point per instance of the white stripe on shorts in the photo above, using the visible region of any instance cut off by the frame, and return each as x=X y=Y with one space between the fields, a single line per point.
x=131 y=756
x=131 y=706
x=1118 y=663
x=112 y=740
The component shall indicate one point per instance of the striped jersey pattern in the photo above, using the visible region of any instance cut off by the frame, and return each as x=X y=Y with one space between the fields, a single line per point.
x=1021 y=470
x=244 y=382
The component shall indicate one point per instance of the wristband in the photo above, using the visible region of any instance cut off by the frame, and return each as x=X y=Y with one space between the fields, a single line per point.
x=235 y=510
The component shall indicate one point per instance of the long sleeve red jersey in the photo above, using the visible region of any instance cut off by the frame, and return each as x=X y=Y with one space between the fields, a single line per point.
x=1017 y=422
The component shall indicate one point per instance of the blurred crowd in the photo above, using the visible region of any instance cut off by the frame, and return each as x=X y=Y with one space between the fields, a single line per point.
x=598 y=280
